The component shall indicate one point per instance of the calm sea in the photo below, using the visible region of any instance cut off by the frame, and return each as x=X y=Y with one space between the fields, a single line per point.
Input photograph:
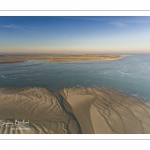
x=130 y=74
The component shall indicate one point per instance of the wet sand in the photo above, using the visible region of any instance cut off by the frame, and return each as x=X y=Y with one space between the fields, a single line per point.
x=87 y=110
x=55 y=58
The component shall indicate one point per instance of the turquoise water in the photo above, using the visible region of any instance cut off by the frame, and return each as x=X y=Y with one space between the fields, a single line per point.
x=130 y=74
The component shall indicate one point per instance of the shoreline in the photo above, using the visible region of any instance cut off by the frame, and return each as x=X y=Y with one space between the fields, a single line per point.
x=87 y=110
x=57 y=58
x=10 y=62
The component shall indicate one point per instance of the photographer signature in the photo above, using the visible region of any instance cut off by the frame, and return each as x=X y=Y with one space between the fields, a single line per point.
x=16 y=122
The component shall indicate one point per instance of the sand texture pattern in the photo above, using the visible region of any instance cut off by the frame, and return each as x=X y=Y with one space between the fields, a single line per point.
x=89 y=110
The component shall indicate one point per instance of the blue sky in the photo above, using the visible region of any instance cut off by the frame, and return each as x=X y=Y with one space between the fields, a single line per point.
x=74 y=34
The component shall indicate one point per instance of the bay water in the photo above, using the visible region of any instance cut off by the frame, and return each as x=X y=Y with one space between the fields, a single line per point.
x=130 y=74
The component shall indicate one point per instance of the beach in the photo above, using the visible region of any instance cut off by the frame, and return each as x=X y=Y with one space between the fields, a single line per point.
x=7 y=59
x=76 y=110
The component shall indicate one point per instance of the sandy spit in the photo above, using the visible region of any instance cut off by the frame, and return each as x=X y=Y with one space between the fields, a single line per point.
x=87 y=110
x=56 y=58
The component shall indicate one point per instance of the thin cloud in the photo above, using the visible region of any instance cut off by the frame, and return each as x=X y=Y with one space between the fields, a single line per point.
x=121 y=22
x=15 y=26
x=118 y=24
x=12 y=26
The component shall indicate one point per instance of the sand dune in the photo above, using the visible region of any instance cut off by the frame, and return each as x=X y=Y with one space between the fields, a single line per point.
x=72 y=110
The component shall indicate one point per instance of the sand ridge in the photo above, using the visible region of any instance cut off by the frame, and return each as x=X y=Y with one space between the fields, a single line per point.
x=40 y=107
x=87 y=110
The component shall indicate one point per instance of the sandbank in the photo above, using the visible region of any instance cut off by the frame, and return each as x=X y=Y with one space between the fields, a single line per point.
x=86 y=110
x=56 y=58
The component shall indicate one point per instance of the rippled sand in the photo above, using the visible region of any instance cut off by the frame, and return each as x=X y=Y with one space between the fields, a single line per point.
x=73 y=110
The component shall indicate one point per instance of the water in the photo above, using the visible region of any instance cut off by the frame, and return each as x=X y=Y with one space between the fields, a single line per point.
x=130 y=74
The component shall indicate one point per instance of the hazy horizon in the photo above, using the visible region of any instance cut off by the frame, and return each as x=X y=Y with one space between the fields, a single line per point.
x=74 y=35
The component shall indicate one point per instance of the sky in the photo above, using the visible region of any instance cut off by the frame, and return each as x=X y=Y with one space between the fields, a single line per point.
x=74 y=34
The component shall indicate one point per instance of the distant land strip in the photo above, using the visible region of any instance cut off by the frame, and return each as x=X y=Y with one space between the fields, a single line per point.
x=6 y=59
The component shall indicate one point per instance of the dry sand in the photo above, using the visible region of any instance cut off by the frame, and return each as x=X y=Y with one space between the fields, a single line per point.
x=56 y=58
x=73 y=110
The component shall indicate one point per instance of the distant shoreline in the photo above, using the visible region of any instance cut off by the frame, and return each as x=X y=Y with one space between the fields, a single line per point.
x=56 y=58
